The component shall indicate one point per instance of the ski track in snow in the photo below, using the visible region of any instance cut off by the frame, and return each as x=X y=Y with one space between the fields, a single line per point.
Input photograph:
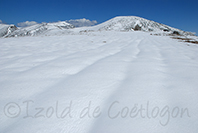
x=128 y=68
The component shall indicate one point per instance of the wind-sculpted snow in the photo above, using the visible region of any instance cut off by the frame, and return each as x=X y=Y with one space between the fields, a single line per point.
x=104 y=82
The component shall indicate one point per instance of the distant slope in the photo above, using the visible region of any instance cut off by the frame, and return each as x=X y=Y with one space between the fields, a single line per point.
x=121 y=23
x=41 y=29
x=6 y=29
x=133 y=23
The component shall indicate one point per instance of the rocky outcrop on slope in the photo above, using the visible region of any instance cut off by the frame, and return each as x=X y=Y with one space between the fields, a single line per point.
x=5 y=29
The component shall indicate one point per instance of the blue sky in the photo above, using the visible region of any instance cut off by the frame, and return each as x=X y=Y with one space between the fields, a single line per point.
x=182 y=14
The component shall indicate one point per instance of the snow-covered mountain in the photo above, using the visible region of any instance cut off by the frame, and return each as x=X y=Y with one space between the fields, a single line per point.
x=133 y=23
x=39 y=29
x=5 y=29
x=98 y=82
x=122 y=23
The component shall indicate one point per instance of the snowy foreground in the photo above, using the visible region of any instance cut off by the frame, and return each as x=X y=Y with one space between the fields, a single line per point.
x=102 y=82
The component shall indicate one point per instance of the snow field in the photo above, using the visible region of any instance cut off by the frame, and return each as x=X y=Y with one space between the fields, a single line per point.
x=101 y=82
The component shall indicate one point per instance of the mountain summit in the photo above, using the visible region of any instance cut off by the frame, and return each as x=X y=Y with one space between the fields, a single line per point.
x=133 y=23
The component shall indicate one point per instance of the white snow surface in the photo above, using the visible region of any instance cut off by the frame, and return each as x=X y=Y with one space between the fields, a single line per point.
x=100 y=82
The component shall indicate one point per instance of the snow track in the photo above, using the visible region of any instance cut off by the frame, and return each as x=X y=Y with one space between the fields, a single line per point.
x=105 y=82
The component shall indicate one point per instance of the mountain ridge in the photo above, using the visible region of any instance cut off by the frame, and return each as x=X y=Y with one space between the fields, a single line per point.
x=134 y=23
x=119 y=23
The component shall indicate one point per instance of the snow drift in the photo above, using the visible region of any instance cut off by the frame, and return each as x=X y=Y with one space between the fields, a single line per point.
x=105 y=82
x=98 y=82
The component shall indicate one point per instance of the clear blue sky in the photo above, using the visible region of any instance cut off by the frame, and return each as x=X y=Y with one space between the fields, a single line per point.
x=182 y=14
